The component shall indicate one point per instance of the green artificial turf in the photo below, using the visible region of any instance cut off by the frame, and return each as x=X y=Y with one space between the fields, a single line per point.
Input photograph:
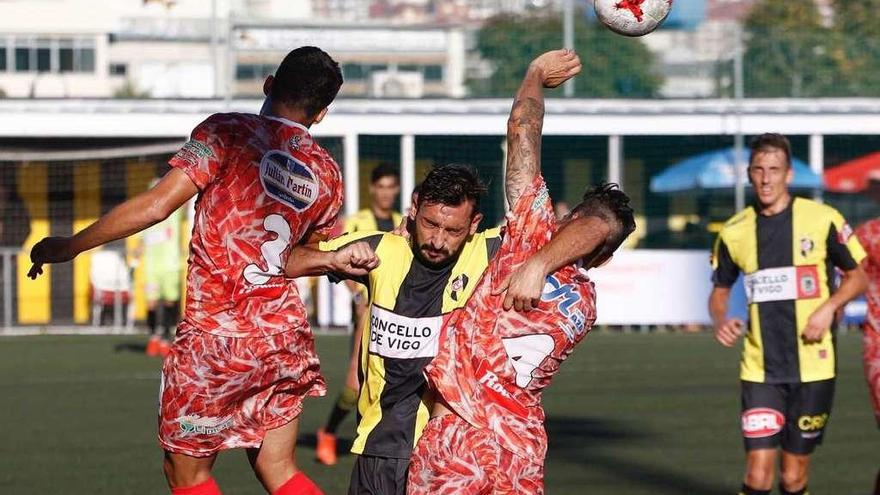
x=627 y=414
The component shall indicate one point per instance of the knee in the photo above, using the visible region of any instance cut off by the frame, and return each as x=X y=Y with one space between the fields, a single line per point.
x=760 y=476
x=274 y=471
x=182 y=473
x=794 y=478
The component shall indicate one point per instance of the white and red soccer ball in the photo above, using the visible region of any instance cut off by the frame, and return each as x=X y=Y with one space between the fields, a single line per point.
x=632 y=17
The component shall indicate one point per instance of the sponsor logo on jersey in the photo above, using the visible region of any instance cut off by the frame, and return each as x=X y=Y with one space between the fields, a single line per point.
x=541 y=198
x=496 y=390
x=812 y=423
x=807 y=246
x=197 y=425
x=194 y=151
x=288 y=180
x=782 y=284
x=293 y=142
x=845 y=233
x=567 y=297
x=761 y=422
x=457 y=285
x=403 y=337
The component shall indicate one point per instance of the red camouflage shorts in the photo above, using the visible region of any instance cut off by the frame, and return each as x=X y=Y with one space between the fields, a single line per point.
x=455 y=458
x=871 y=358
x=221 y=393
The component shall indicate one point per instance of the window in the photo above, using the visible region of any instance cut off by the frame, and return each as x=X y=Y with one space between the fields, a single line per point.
x=2 y=56
x=250 y=72
x=433 y=72
x=118 y=69
x=86 y=60
x=22 y=59
x=65 y=60
x=54 y=55
x=352 y=72
x=44 y=55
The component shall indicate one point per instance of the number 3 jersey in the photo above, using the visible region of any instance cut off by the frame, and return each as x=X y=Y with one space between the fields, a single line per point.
x=492 y=364
x=264 y=185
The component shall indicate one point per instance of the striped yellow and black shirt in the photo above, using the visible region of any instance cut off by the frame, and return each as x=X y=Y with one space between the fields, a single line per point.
x=408 y=301
x=365 y=220
x=788 y=261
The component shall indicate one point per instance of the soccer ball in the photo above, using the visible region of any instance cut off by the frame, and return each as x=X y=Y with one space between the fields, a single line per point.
x=632 y=17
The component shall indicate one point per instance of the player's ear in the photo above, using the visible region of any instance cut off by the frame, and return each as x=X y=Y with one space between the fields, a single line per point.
x=320 y=116
x=475 y=222
x=267 y=84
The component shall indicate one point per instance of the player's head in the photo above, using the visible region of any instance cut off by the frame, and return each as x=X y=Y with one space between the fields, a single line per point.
x=608 y=202
x=446 y=213
x=770 y=168
x=384 y=186
x=306 y=82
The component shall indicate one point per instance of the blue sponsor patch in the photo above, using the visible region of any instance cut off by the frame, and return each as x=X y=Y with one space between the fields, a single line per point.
x=568 y=298
x=288 y=180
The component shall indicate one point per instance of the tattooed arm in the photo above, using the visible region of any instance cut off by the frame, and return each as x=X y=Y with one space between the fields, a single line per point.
x=527 y=117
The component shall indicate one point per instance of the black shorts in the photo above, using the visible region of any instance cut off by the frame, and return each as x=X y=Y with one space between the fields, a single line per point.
x=378 y=476
x=791 y=414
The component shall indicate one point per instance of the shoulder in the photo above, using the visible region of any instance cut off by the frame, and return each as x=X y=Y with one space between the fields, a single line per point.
x=224 y=120
x=493 y=233
x=738 y=221
x=815 y=209
x=370 y=236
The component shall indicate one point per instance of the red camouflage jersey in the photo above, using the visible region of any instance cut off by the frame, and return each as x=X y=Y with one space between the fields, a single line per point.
x=869 y=237
x=493 y=364
x=264 y=185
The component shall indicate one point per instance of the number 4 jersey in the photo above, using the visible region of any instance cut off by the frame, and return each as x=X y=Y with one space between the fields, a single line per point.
x=493 y=364
x=264 y=185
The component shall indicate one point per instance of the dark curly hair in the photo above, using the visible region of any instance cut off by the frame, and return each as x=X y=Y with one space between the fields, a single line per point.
x=609 y=203
x=307 y=78
x=452 y=185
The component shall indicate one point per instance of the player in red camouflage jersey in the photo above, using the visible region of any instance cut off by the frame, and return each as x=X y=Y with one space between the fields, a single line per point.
x=244 y=357
x=869 y=236
x=501 y=350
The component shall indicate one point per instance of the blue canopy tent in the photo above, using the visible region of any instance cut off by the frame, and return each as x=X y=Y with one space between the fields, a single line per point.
x=715 y=170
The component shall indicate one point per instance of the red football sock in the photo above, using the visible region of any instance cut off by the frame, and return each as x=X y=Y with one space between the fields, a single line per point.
x=207 y=487
x=299 y=484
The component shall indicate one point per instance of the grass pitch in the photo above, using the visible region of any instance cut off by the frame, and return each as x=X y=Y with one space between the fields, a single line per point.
x=628 y=414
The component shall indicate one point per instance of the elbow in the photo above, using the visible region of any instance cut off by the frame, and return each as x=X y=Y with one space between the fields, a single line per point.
x=157 y=212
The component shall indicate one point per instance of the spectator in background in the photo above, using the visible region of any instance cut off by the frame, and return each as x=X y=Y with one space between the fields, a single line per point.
x=163 y=261
x=380 y=216
x=869 y=236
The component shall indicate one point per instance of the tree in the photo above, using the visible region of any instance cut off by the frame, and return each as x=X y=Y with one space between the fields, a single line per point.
x=614 y=66
x=857 y=35
x=789 y=52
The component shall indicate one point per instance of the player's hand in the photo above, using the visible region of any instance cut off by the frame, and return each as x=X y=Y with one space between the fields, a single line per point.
x=557 y=66
x=729 y=332
x=817 y=324
x=355 y=260
x=49 y=250
x=524 y=287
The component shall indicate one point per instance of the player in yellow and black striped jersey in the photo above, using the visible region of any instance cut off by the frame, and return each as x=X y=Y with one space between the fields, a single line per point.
x=789 y=251
x=417 y=283
x=380 y=216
